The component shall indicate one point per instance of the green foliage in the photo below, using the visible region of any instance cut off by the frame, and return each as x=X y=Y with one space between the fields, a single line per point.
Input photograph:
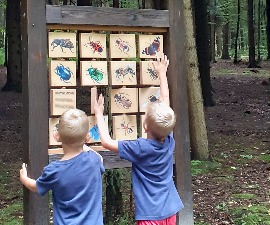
x=2 y=56
x=12 y=214
x=243 y=196
x=203 y=167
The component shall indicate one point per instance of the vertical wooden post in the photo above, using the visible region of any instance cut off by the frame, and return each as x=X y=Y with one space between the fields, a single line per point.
x=35 y=105
x=174 y=47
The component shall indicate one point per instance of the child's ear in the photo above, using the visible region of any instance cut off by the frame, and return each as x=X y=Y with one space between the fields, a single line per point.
x=145 y=127
x=87 y=138
x=56 y=136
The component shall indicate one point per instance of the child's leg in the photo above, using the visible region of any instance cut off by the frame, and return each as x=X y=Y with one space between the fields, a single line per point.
x=168 y=221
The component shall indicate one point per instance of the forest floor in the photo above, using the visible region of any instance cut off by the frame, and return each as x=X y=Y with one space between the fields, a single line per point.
x=232 y=188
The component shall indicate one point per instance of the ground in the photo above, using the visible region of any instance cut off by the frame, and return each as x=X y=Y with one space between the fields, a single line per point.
x=238 y=172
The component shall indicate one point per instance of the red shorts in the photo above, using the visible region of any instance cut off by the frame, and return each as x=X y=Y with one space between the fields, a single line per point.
x=169 y=221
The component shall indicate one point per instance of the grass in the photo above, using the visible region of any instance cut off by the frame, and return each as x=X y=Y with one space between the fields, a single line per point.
x=2 y=56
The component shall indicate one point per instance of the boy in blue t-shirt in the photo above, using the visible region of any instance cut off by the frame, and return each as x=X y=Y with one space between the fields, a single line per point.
x=156 y=198
x=75 y=180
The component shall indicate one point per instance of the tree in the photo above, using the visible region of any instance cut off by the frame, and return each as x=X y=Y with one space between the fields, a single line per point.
x=14 y=63
x=251 y=41
x=202 y=42
x=237 y=32
x=268 y=27
x=225 y=47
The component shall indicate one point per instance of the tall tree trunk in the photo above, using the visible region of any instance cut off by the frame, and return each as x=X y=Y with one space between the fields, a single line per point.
x=219 y=37
x=268 y=27
x=14 y=64
x=197 y=127
x=237 y=32
x=202 y=42
x=251 y=41
x=84 y=2
x=225 y=48
x=259 y=32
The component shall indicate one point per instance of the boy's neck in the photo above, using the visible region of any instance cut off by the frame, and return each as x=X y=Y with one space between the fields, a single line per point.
x=150 y=136
x=71 y=151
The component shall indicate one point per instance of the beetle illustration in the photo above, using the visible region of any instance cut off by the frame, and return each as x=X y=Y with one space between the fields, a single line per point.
x=122 y=72
x=95 y=45
x=153 y=48
x=95 y=74
x=126 y=127
x=63 y=72
x=122 y=100
x=122 y=45
x=94 y=133
x=152 y=73
x=63 y=43
x=152 y=98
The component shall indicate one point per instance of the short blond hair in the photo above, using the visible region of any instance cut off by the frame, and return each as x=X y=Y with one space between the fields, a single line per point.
x=159 y=119
x=73 y=127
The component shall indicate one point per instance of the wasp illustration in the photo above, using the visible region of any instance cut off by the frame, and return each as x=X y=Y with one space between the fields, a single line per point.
x=152 y=73
x=95 y=74
x=126 y=127
x=153 y=48
x=94 y=133
x=95 y=45
x=152 y=98
x=63 y=43
x=123 y=45
x=63 y=72
x=122 y=100
x=122 y=72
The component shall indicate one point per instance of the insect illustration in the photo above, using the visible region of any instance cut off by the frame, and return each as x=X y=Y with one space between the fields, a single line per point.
x=95 y=74
x=153 y=48
x=122 y=45
x=152 y=98
x=126 y=127
x=63 y=72
x=121 y=99
x=95 y=45
x=55 y=129
x=94 y=133
x=122 y=72
x=152 y=73
x=63 y=43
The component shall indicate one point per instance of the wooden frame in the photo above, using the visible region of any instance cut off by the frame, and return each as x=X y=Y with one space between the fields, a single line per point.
x=34 y=20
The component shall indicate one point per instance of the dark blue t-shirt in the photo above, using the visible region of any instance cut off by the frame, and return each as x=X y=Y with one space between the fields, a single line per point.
x=155 y=194
x=76 y=186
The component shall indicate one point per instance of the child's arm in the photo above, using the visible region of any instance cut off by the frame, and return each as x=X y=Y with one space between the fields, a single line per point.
x=26 y=181
x=106 y=141
x=161 y=66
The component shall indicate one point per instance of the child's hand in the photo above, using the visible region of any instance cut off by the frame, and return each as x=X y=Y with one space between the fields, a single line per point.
x=161 y=65
x=99 y=106
x=23 y=172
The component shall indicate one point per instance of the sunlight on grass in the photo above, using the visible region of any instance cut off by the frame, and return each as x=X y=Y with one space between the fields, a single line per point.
x=203 y=167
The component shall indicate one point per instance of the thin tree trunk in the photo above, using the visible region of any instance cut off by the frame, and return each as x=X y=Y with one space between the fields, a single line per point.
x=219 y=37
x=14 y=64
x=268 y=27
x=237 y=32
x=251 y=41
x=202 y=42
x=197 y=127
x=225 y=49
x=259 y=32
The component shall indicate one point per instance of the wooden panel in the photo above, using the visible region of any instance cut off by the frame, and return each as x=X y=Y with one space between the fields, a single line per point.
x=93 y=73
x=150 y=45
x=62 y=100
x=122 y=46
x=123 y=73
x=147 y=95
x=125 y=127
x=148 y=75
x=35 y=107
x=62 y=44
x=62 y=73
x=93 y=45
x=124 y=100
x=93 y=129
x=53 y=127
x=106 y=16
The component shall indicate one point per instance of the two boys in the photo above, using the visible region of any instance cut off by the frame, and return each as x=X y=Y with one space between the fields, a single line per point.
x=156 y=197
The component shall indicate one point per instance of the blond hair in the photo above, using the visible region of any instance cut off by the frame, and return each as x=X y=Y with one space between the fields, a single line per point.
x=159 y=119
x=73 y=127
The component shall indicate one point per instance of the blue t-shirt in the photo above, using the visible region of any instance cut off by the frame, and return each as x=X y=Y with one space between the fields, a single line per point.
x=155 y=194
x=76 y=186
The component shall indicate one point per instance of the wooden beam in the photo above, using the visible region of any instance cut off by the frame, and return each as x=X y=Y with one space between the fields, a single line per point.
x=104 y=16
x=35 y=105
x=174 y=46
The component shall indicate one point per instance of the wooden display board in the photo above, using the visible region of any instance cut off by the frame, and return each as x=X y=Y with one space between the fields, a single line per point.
x=122 y=46
x=148 y=75
x=150 y=45
x=93 y=129
x=125 y=127
x=147 y=95
x=123 y=73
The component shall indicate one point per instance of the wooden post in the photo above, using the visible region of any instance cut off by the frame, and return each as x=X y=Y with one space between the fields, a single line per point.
x=35 y=105
x=174 y=47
